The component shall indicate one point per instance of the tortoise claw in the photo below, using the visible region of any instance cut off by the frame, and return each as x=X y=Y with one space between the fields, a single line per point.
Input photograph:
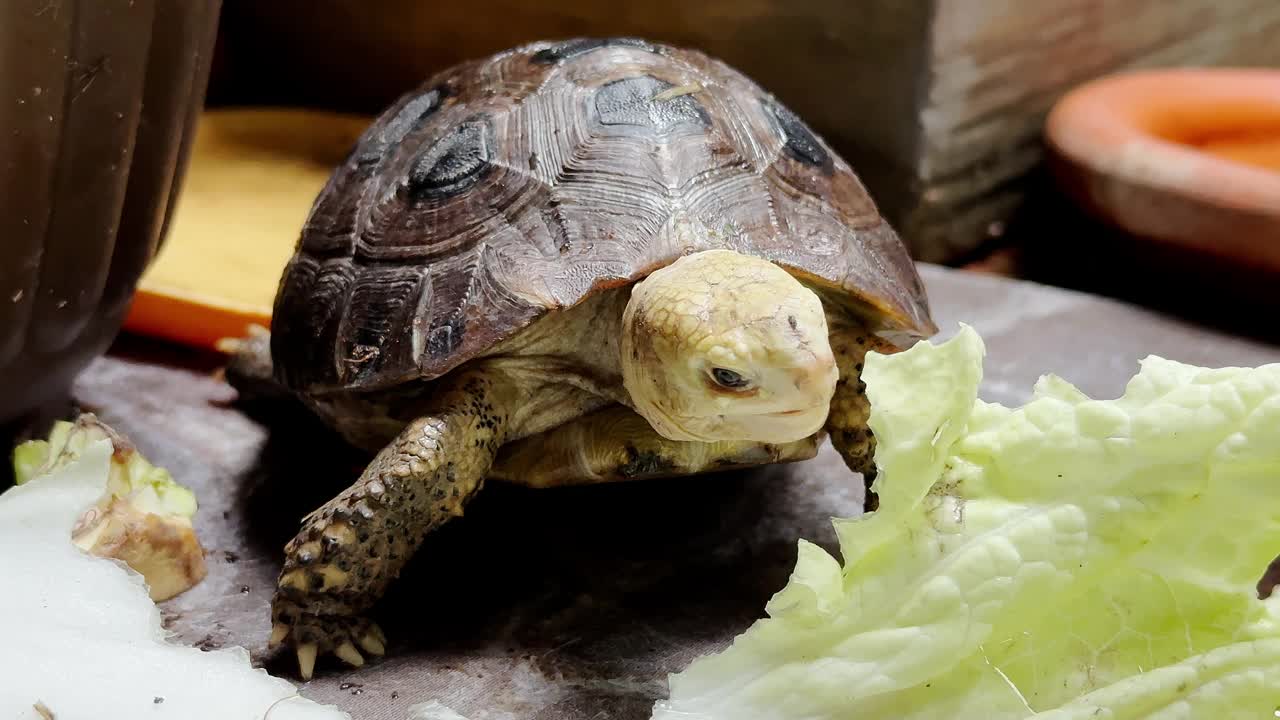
x=349 y=654
x=279 y=632
x=316 y=635
x=372 y=643
x=229 y=345
x=235 y=345
x=307 y=659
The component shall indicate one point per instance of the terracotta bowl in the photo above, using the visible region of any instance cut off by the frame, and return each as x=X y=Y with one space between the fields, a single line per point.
x=1188 y=159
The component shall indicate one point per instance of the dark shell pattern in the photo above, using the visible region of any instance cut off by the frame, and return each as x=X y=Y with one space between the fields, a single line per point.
x=519 y=184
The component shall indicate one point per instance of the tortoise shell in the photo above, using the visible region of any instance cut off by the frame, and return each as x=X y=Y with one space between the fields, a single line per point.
x=505 y=188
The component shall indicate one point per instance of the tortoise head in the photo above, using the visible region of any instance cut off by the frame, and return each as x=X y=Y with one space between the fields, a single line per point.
x=724 y=346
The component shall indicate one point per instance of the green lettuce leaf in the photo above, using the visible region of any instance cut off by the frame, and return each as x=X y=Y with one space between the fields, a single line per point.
x=1072 y=558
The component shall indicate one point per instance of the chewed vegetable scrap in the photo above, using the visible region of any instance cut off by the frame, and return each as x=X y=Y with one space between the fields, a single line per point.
x=143 y=516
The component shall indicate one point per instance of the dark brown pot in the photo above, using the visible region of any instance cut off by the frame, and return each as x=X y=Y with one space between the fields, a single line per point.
x=98 y=101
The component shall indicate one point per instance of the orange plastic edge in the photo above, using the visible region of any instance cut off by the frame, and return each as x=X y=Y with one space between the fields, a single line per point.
x=188 y=322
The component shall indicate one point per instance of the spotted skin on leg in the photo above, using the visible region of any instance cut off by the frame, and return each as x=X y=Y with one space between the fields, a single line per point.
x=617 y=444
x=349 y=550
x=850 y=410
x=249 y=368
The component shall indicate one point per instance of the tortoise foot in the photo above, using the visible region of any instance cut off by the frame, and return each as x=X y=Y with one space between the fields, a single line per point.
x=312 y=636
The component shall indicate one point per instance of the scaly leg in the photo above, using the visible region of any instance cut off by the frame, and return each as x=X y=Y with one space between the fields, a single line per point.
x=850 y=410
x=616 y=444
x=249 y=368
x=350 y=549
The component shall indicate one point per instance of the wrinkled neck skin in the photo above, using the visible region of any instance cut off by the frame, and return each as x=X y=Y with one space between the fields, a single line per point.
x=717 y=315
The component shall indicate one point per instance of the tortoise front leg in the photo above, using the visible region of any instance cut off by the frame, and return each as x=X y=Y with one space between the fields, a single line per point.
x=348 y=551
x=850 y=410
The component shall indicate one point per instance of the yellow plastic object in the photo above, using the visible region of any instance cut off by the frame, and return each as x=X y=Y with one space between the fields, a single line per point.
x=253 y=176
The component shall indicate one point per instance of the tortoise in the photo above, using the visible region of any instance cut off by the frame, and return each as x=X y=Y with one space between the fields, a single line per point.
x=583 y=261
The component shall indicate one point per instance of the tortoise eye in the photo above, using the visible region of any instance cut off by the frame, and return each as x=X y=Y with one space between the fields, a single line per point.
x=729 y=378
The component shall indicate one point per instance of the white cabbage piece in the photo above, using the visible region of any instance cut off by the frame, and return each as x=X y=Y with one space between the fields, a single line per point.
x=81 y=638
x=1071 y=558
